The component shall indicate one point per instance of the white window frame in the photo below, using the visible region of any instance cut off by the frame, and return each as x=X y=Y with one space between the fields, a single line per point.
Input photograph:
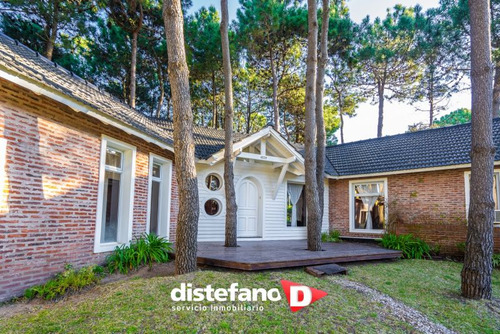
x=467 y=193
x=126 y=205
x=165 y=193
x=286 y=203
x=352 y=183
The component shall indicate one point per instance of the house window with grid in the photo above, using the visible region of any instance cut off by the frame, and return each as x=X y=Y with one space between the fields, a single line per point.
x=368 y=210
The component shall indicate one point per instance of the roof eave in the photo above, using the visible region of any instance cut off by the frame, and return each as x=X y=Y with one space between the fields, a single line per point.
x=78 y=106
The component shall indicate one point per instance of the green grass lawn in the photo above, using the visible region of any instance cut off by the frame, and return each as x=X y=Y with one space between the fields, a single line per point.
x=144 y=305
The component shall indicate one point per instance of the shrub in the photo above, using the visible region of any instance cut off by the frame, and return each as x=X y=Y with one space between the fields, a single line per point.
x=461 y=247
x=146 y=249
x=67 y=281
x=496 y=260
x=333 y=236
x=412 y=247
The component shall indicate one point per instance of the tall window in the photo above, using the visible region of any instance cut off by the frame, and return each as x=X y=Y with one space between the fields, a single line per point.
x=111 y=204
x=116 y=188
x=159 y=196
x=368 y=206
x=295 y=205
x=496 y=194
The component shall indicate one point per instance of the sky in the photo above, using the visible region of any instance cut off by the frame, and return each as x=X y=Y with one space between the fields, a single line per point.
x=397 y=116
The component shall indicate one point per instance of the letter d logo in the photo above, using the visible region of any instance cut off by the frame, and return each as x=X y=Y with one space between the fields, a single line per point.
x=300 y=296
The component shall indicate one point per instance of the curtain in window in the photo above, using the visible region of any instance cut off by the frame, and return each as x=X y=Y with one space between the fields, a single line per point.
x=294 y=191
x=369 y=200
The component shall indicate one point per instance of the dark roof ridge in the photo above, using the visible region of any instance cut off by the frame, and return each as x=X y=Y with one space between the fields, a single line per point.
x=444 y=128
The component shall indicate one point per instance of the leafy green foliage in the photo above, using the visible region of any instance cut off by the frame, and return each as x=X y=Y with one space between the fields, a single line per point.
x=496 y=260
x=332 y=236
x=412 y=247
x=145 y=250
x=67 y=281
x=459 y=116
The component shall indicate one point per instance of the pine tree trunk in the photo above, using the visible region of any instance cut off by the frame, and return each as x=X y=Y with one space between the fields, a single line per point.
x=185 y=170
x=341 y=115
x=249 y=108
x=52 y=31
x=496 y=91
x=431 y=102
x=231 y=207
x=380 y=125
x=311 y=188
x=214 y=104
x=320 y=123
x=162 y=88
x=133 y=66
x=476 y=272
x=276 y=111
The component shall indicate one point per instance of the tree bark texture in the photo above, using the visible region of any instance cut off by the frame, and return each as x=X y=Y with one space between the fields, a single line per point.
x=214 y=103
x=476 y=272
x=276 y=110
x=231 y=206
x=52 y=31
x=381 y=98
x=133 y=67
x=311 y=188
x=320 y=123
x=185 y=170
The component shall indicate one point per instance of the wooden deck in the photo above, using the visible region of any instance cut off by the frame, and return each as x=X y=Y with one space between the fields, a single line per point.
x=260 y=255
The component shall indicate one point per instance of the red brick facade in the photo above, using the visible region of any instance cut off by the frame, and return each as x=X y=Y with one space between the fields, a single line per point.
x=49 y=202
x=430 y=205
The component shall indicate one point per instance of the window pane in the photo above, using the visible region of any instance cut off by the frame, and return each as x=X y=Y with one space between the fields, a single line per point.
x=213 y=182
x=155 y=207
x=156 y=170
x=109 y=232
x=369 y=208
x=113 y=158
x=212 y=207
x=495 y=191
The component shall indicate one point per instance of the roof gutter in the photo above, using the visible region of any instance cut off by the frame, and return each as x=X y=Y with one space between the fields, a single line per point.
x=77 y=106
x=405 y=171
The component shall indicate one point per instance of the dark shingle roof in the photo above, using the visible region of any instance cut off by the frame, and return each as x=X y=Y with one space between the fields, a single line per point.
x=20 y=59
x=208 y=141
x=423 y=149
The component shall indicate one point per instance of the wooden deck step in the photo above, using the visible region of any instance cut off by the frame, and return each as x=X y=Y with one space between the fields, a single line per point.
x=326 y=269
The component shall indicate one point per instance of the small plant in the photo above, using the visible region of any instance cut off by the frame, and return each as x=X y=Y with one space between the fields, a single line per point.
x=332 y=236
x=67 y=281
x=461 y=247
x=412 y=247
x=145 y=250
x=496 y=260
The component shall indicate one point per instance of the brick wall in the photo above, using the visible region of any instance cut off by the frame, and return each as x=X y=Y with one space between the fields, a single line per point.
x=430 y=205
x=48 y=210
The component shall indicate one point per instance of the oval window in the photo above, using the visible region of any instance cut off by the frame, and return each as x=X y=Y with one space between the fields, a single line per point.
x=213 y=182
x=212 y=207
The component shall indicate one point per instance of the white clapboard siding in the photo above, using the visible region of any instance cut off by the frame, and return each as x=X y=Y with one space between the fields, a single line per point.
x=273 y=215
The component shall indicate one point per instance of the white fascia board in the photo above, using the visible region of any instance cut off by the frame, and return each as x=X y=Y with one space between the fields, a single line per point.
x=41 y=89
x=405 y=171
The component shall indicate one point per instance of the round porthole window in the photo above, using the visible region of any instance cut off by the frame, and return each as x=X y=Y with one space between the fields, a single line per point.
x=213 y=182
x=212 y=207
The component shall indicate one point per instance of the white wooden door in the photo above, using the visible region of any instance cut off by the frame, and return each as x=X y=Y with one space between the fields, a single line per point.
x=248 y=209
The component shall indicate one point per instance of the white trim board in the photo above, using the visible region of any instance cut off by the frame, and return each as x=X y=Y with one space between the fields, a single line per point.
x=405 y=171
x=351 y=206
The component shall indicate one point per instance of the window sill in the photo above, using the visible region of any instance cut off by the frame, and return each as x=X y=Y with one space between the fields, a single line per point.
x=107 y=247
